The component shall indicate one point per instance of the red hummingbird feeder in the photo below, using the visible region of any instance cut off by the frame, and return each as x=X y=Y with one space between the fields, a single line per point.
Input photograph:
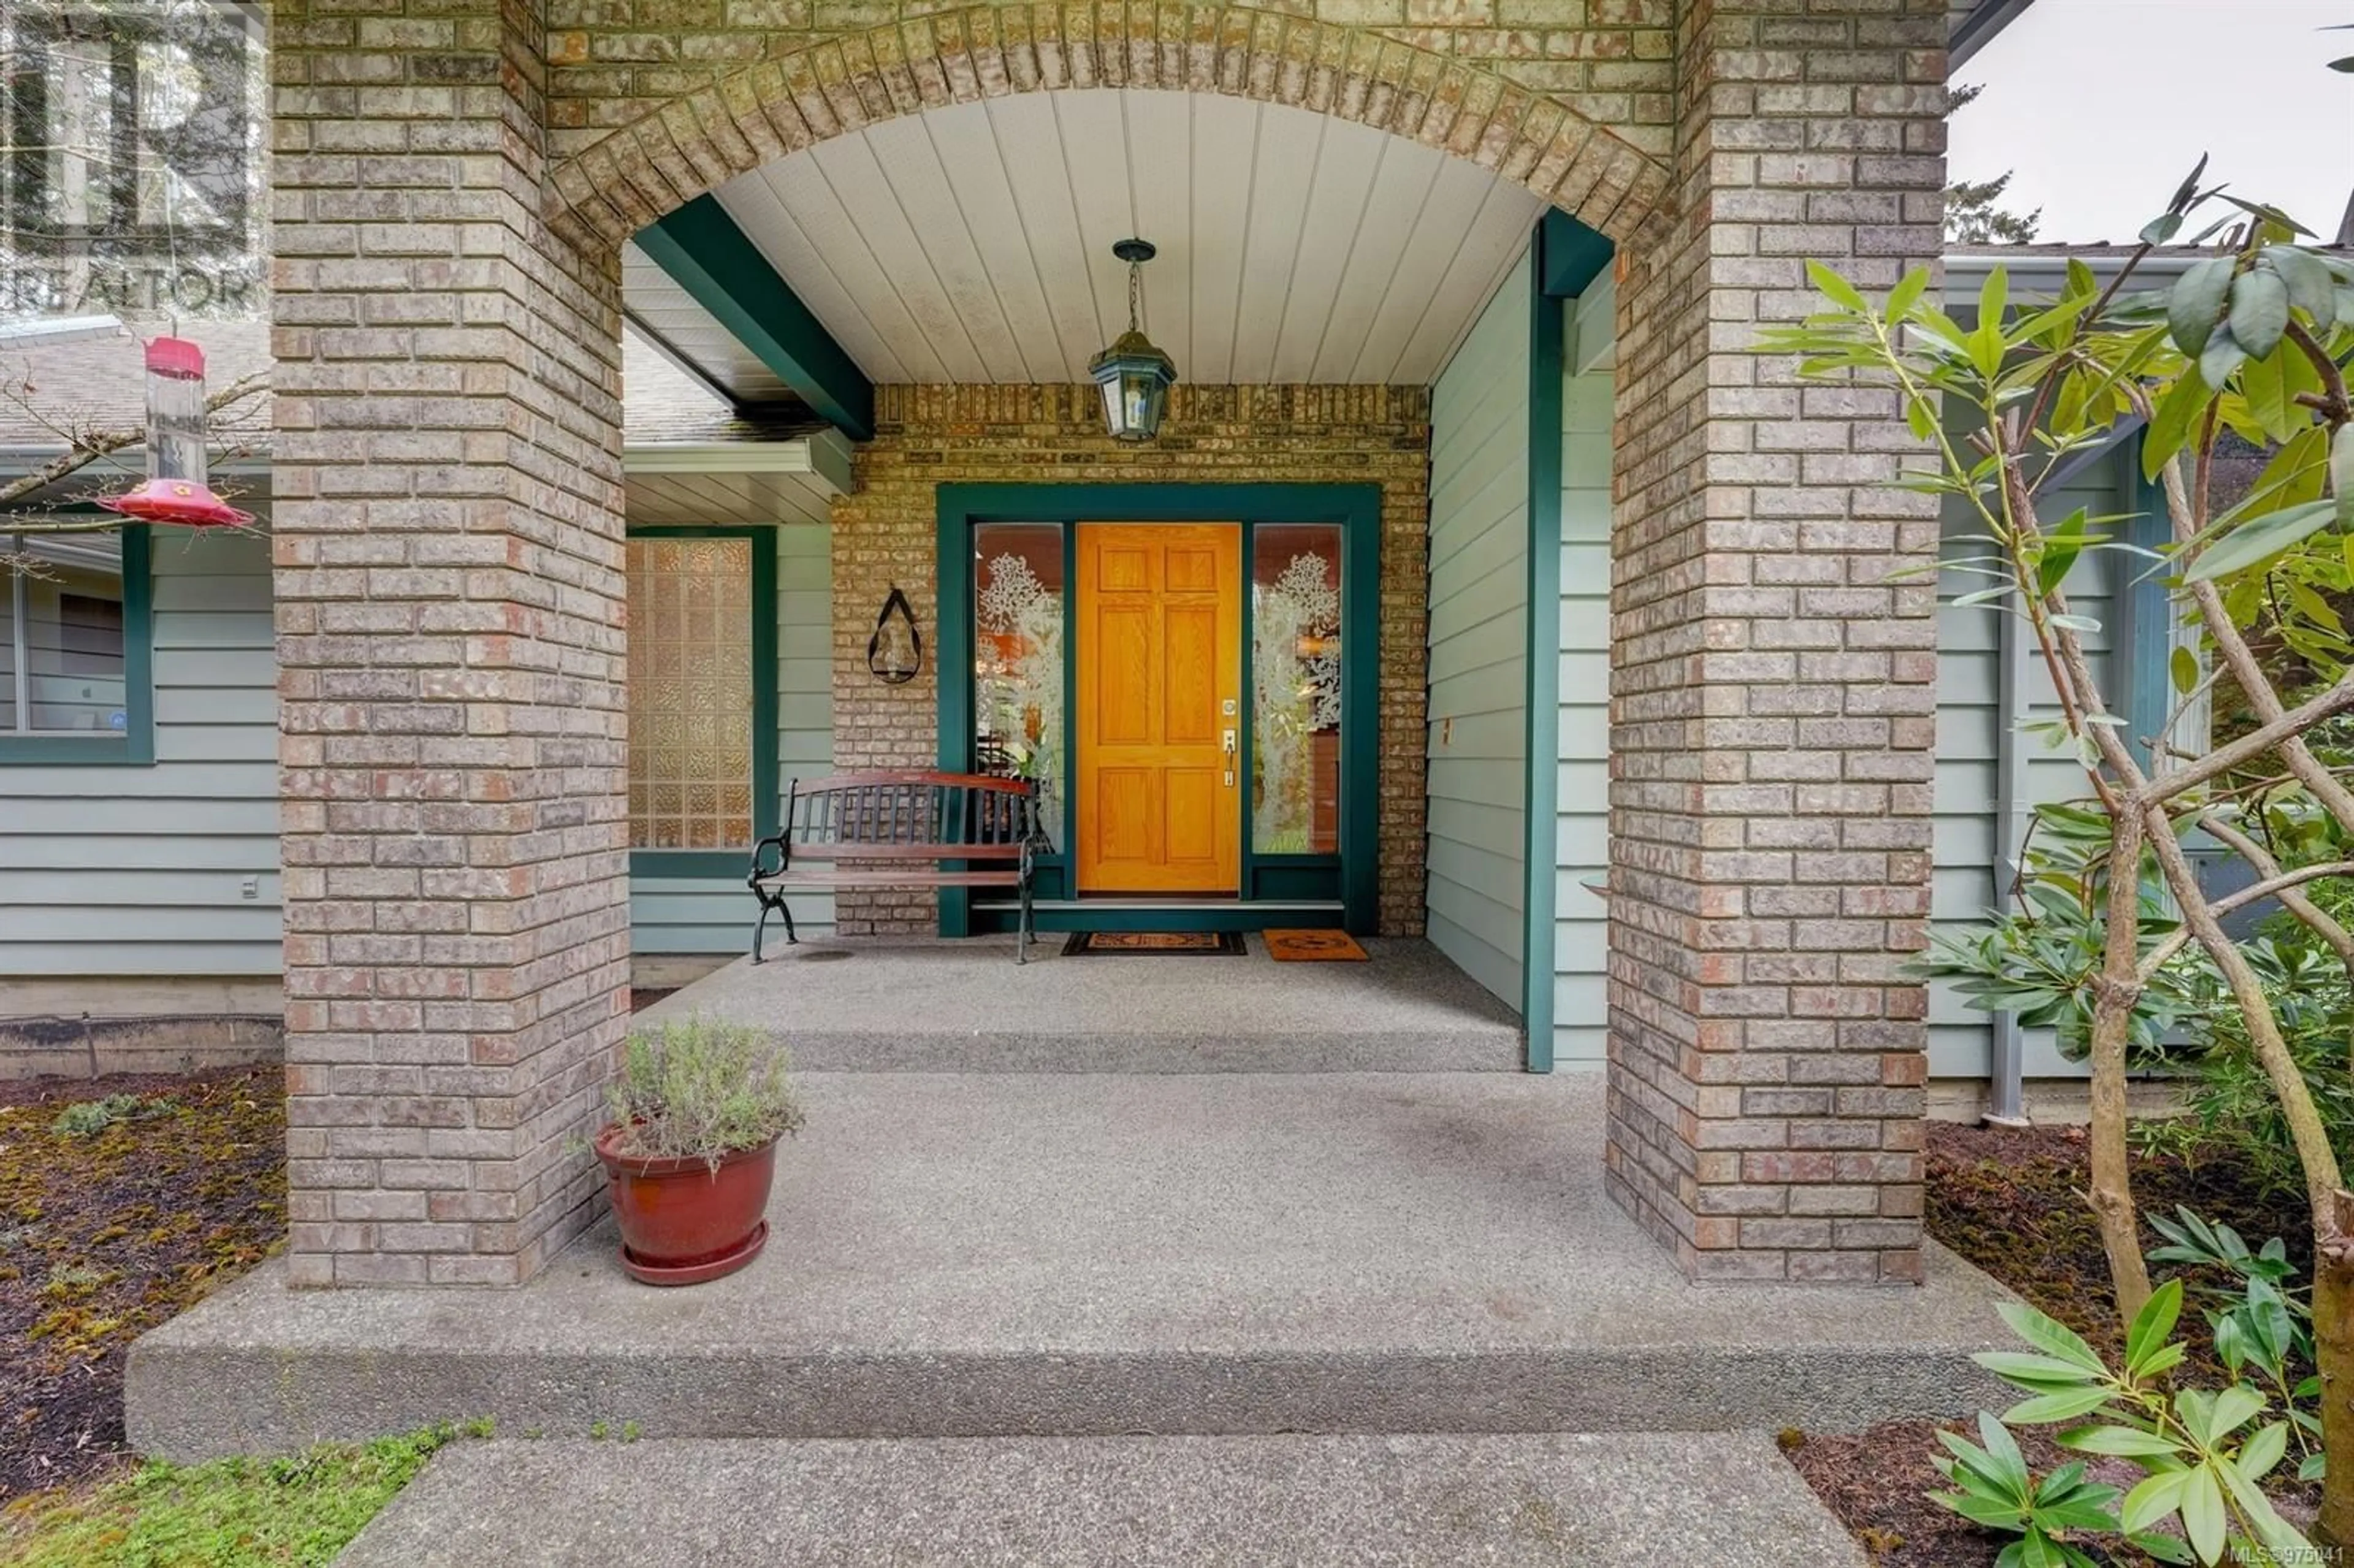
x=176 y=490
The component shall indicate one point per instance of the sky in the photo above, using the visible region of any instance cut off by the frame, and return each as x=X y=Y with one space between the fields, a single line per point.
x=2102 y=106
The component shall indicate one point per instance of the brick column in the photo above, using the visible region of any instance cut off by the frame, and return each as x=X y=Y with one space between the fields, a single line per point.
x=1771 y=697
x=450 y=619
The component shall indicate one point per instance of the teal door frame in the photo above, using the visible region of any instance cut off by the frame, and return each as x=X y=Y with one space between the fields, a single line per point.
x=1356 y=508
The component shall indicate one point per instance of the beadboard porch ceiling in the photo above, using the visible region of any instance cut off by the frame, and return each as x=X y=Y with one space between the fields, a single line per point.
x=973 y=244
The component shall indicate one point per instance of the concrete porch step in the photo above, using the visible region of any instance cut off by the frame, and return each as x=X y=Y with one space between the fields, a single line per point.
x=1561 y=1501
x=1003 y=1254
x=909 y=1006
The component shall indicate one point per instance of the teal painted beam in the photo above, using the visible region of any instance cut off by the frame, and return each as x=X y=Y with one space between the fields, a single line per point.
x=1570 y=256
x=705 y=254
x=1548 y=329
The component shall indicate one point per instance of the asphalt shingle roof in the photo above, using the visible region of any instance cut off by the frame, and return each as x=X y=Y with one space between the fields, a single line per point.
x=51 y=392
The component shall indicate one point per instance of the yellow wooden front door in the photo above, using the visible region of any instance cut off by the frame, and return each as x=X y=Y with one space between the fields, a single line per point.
x=1158 y=712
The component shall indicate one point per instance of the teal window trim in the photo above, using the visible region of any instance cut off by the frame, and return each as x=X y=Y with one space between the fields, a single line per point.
x=767 y=787
x=1356 y=508
x=1548 y=330
x=135 y=747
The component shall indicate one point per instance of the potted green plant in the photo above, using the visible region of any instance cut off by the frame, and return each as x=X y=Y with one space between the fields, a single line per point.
x=692 y=1147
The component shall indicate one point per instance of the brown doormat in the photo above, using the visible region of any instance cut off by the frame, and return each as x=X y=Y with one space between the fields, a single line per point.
x=1134 y=942
x=1313 y=947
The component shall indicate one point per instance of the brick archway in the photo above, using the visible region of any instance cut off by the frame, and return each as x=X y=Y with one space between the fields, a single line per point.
x=608 y=190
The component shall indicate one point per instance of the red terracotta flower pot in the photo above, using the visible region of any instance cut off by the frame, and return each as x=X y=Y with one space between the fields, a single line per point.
x=682 y=1222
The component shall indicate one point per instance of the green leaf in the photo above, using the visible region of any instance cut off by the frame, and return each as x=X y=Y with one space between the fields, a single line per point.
x=2162 y=1548
x=1980 y=1510
x=2170 y=427
x=2341 y=474
x=2310 y=287
x=2003 y=1449
x=1836 y=288
x=2161 y=229
x=2183 y=667
x=2279 y=1538
x=2051 y=1337
x=2036 y=1374
x=2156 y=1499
x=2234 y=1407
x=1994 y=298
x=2065 y=1405
x=2154 y=1324
x=2265 y=211
x=2264 y=1450
x=2259 y=310
x=2065 y=543
x=2254 y=544
x=2263 y=383
x=2196 y=302
x=1910 y=288
x=2221 y=357
x=2120 y=1442
x=2203 y=1519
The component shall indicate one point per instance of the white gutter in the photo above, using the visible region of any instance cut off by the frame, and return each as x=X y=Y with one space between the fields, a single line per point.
x=823 y=453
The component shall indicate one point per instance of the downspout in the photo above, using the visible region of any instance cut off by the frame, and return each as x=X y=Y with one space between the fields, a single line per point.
x=2006 y=1068
x=2013 y=812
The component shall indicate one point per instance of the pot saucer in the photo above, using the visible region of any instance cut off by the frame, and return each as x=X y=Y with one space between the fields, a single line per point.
x=727 y=1262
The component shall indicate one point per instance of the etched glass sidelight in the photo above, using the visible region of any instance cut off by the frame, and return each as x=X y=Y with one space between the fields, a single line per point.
x=1017 y=673
x=691 y=700
x=1296 y=689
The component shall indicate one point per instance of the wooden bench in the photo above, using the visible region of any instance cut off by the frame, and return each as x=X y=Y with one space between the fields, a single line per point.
x=900 y=829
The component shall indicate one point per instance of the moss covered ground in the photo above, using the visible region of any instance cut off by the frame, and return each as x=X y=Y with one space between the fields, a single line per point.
x=122 y=1202
x=296 y=1512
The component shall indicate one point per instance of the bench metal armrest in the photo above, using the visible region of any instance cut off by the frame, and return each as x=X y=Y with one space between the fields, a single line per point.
x=782 y=845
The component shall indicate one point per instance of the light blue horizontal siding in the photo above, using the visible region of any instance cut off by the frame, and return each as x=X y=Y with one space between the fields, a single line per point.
x=714 y=915
x=140 y=871
x=1478 y=751
x=1968 y=734
x=1580 y=940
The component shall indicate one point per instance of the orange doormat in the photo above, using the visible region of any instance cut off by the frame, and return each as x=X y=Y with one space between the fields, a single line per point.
x=1313 y=947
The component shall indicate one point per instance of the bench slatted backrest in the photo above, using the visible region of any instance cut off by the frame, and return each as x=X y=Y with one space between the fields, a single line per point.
x=911 y=816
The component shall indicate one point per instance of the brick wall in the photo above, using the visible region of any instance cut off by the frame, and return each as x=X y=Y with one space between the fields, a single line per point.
x=1771 y=697
x=1610 y=61
x=656 y=101
x=927 y=436
x=448 y=602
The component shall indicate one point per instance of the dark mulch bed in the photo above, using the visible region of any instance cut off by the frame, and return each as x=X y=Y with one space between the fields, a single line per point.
x=643 y=997
x=2011 y=1202
x=104 y=1234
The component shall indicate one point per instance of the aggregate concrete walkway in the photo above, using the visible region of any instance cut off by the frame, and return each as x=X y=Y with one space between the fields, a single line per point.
x=966 y=1007
x=997 y=1255
x=1561 y=1501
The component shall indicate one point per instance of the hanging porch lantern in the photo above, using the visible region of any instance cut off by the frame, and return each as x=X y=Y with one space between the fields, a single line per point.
x=176 y=490
x=1134 y=375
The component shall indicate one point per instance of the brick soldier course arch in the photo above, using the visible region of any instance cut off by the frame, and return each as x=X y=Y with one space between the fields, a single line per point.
x=616 y=184
x=452 y=182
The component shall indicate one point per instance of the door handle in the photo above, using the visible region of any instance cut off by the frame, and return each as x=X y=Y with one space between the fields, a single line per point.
x=1229 y=743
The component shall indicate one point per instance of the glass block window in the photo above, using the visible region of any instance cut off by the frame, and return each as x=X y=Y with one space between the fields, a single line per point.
x=1018 y=658
x=63 y=635
x=1295 y=676
x=692 y=705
